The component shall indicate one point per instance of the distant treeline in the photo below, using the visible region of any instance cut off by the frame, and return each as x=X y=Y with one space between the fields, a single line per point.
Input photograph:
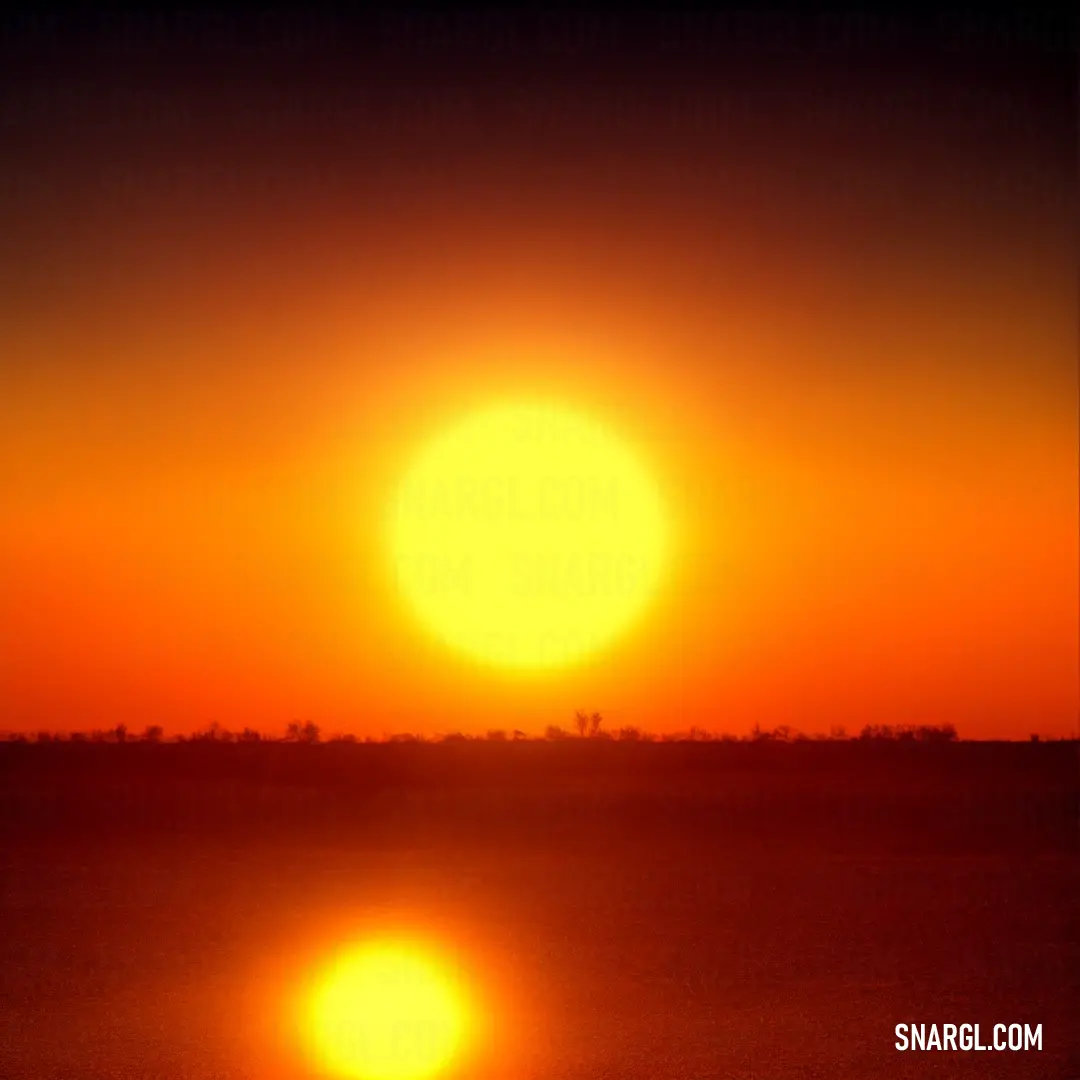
x=588 y=726
x=912 y=793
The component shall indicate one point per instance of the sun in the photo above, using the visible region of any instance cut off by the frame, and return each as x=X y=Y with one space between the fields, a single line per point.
x=384 y=1012
x=527 y=536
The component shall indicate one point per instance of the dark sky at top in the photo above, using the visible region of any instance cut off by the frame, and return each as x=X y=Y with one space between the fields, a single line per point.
x=233 y=125
x=359 y=94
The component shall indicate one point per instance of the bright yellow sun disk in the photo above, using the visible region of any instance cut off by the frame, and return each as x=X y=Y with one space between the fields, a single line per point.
x=528 y=536
x=383 y=1012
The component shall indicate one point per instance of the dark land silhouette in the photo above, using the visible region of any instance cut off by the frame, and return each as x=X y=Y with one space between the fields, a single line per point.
x=923 y=789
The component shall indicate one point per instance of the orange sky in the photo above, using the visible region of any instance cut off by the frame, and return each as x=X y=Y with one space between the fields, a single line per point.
x=861 y=409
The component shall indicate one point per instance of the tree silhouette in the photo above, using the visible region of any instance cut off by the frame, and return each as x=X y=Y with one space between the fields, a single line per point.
x=153 y=733
x=929 y=733
x=582 y=721
x=594 y=724
x=307 y=732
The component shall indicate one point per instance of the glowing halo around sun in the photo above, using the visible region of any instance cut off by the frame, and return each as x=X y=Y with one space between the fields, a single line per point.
x=383 y=1011
x=527 y=536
